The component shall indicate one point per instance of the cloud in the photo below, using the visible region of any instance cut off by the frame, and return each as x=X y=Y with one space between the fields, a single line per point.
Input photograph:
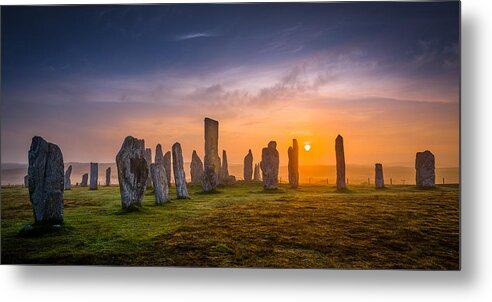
x=196 y=35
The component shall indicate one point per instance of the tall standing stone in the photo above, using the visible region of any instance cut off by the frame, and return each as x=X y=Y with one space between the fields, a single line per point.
x=68 y=184
x=248 y=166
x=425 y=169
x=148 y=158
x=269 y=166
x=26 y=181
x=257 y=174
x=379 y=181
x=159 y=157
x=46 y=181
x=167 y=166
x=340 y=163
x=293 y=153
x=85 y=179
x=94 y=176
x=108 y=176
x=159 y=181
x=211 y=159
x=179 y=173
x=196 y=169
x=132 y=172
x=224 y=169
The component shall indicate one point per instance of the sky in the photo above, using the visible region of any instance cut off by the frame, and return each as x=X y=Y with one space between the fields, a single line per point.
x=385 y=76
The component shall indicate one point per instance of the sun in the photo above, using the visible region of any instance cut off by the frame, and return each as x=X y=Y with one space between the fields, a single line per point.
x=307 y=146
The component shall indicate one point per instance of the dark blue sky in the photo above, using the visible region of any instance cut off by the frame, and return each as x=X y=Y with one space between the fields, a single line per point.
x=238 y=54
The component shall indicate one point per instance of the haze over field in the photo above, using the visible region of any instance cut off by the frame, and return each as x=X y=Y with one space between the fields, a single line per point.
x=86 y=77
x=13 y=174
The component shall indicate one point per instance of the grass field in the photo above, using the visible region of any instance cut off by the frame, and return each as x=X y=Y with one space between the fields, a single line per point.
x=242 y=226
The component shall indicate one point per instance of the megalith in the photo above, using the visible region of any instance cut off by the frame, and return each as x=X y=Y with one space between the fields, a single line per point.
x=68 y=184
x=26 y=181
x=248 y=167
x=85 y=179
x=179 y=173
x=159 y=181
x=94 y=176
x=167 y=166
x=132 y=172
x=196 y=169
x=224 y=169
x=340 y=156
x=46 y=181
x=379 y=181
x=159 y=157
x=269 y=166
x=148 y=158
x=425 y=169
x=108 y=176
x=257 y=174
x=293 y=166
x=211 y=159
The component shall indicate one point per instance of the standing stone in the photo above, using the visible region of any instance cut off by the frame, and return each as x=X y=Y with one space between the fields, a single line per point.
x=179 y=173
x=159 y=180
x=132 y=172
x=26 y=181
x=248 y=166
x=46 y=181
x=167 y=166
x=159 y=158
x=425 y=169
x=294 y=164
x=257 y=175
x=340 y=163
x=85 y=178
x=224 y=169
x=68 y=184
x=211 y=159
x=148 y=158
x=379 y=176
x=108 y=176
x=196 y=169
x=269 y=166
x=94 y=176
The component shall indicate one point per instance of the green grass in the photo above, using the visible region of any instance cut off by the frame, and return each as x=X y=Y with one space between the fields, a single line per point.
x=242 y=226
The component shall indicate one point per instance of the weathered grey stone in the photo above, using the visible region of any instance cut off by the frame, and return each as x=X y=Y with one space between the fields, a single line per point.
x=94 y=176
x=211 y=159
x=269 y=166
x=224 y=169
x=132 y=172
x=26 y=181
x=293 y=153
x=257 y=174
x=46 y=181
x=425 y=169
x=179 y=173
x=67 y=183
x=108 y=176
x=148 y=158
x=159 y=181
x=379 y=181
x=159 y=157
x=196 y=169
x=248 y=166
x=340 y=155
x=167 y=166
x=85 y=178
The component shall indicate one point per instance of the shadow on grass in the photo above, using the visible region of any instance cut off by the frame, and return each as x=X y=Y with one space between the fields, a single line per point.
x=39 y=230
x=132 y=210
x=270 y=191
x=209 y=192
